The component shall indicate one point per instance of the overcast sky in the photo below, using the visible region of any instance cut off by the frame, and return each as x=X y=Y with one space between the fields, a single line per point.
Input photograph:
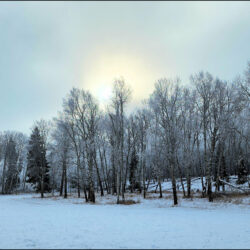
x=46 y=48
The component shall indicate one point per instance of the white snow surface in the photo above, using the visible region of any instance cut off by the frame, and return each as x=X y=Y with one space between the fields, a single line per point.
x=27 y=221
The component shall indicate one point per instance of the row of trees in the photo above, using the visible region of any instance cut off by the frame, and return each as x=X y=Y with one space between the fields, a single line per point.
x=181 y=131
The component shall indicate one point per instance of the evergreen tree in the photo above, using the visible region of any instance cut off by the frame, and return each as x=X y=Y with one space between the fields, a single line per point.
x=12 y=175
x=224 y=173
x=242 y=172
x=37 y=167
x=132 y=168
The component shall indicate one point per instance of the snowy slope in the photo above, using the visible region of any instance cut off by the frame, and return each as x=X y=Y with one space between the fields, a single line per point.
x=196 y=185
x=26 y=221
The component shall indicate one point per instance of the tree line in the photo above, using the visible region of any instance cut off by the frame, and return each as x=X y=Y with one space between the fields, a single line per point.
x=199 y=129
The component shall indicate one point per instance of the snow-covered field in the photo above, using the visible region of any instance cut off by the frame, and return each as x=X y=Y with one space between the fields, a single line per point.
x=26 y=221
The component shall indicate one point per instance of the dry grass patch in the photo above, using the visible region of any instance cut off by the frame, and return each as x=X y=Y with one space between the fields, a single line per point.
x=131 y=195
x=230 y=194
x=230 y=197
x=129 y=202
x=126 y=202
x=237 y=201
x=188 y=198
x=152 y=197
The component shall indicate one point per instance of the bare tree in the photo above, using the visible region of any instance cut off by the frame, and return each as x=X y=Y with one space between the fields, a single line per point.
x=121 y=95
x=166 y=100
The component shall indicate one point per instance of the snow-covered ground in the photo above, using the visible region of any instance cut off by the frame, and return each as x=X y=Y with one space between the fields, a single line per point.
x=26 y=221
x=196 y=185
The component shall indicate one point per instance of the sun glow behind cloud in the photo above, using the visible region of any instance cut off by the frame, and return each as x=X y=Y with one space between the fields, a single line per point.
x=104 y=68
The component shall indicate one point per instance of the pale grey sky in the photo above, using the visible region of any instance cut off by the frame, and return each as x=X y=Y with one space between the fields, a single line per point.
x=46 y=48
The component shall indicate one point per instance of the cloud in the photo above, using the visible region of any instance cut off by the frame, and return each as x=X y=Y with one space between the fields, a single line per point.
x=49 y=47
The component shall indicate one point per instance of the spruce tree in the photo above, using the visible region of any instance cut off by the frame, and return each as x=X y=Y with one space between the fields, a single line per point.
x=132 y=170
x=12 y=175
x=224 y=172
x=242 y=172
x=37 y=167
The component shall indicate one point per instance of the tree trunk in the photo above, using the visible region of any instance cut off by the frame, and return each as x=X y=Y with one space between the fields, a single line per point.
x=114 y=184
x=174 y=185
x=201 y=170
x=126 y=172
x=107 y=172
x=209 y=190
x=118 y=183
x=188 y=185
x=143 y=179
x=91 y=190
x=103 y=172
x=85 y=193
x=62 y=182
x=3 y=175
x=159 y=183
x=24 y=180
x=209 y=187
x=99 y=178
x=182 y=184
x=42 y=183
x=205 y=149
x=65 y=181
x=78 y=178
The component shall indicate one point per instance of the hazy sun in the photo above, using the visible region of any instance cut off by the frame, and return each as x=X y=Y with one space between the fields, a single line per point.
x=103 y=68
x=104 y=92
